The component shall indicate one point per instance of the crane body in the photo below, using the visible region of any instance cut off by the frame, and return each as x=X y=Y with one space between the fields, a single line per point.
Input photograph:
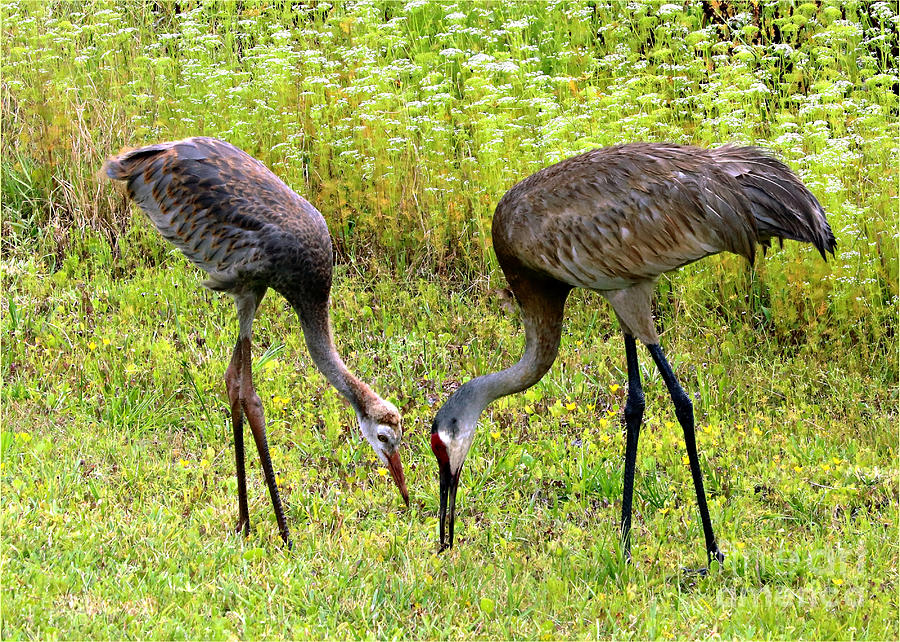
x=613 y=220
x=243 y=226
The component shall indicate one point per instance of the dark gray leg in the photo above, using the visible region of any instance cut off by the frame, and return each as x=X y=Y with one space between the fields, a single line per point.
x=233 y=386
x=634 y=414
x=684 y=410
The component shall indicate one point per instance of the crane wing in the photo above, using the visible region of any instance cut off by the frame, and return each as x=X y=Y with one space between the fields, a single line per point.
x=221 y=207
x=606 y=220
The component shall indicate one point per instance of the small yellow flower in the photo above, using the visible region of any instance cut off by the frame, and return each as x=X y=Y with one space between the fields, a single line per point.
x=669 y=425
x=184 y=463
x=571 y=406
x=279 y=480
x=204 y=463
x=383 y=472
x=757 y=430
x=837 y=581
x=685 y=460
x=495 y=435
x=105 y=341
x=836 y=461
x=614 y=387
x=798 y=469
x=92 y=345
x=826 y=467
x=740 y=545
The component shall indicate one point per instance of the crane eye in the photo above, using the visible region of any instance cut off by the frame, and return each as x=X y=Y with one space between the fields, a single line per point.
x=382 y=439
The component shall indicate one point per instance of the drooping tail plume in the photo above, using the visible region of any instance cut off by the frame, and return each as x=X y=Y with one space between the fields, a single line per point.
x=781 y=204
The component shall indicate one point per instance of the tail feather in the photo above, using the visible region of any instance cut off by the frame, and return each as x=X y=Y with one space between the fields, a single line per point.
x=780 y=203
x=124 y=166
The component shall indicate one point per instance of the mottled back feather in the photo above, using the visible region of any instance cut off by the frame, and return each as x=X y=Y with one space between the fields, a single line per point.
x=229 y=215
x=613 y=217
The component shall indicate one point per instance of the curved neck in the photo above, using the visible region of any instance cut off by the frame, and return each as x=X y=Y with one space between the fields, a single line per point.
x=542 y=318
x=319 y=341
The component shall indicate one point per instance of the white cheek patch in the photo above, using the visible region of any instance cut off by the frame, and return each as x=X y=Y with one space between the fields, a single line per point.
x=394 y=433
x=456 y=449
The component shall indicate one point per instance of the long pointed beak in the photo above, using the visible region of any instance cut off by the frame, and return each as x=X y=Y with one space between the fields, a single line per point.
x=449 y=483
x=396 y=470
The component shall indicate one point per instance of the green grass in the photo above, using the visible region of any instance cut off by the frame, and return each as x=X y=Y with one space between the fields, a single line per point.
x=119 y=496
x=404 y=124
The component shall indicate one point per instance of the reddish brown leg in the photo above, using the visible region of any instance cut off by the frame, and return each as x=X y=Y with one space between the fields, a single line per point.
x=233 y=386
x=252 y=406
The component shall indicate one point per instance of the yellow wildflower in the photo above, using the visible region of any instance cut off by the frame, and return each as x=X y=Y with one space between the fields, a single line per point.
x=571 y=406
x=837 y=581
x=92 y=346
x=614 y=387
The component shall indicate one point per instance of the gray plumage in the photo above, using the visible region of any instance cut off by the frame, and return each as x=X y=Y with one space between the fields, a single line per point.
x=613 y=220
x=238 y=222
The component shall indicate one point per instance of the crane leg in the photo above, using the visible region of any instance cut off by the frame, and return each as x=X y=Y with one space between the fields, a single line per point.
x=684 y=410
x=634 y=414
x=233 y=386
x=252 y=406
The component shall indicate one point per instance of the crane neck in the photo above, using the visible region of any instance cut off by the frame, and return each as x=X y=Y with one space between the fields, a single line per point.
x=320 y=342
x=543 y=330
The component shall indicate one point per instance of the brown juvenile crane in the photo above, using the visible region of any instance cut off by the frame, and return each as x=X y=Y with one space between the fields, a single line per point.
x=236 y=220
x=613 y=220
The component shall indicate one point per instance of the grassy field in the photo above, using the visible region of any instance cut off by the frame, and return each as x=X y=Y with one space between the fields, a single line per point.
x=405 y=123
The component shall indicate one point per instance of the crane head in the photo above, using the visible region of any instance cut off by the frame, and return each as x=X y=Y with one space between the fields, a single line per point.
x=452 y=433
x=380 y=425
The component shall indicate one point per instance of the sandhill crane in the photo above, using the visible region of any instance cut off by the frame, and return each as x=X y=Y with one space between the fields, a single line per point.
x=613 y=220
x=236 y=220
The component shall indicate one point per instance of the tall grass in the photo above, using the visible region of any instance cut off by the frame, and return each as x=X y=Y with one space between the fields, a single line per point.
x=404 y=123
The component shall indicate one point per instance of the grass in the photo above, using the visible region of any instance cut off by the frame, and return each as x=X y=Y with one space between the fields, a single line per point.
x=119 y=490
x=405 y=123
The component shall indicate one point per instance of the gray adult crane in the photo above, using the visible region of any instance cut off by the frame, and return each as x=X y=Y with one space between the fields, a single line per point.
x=236 y=220
x=613 y=220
